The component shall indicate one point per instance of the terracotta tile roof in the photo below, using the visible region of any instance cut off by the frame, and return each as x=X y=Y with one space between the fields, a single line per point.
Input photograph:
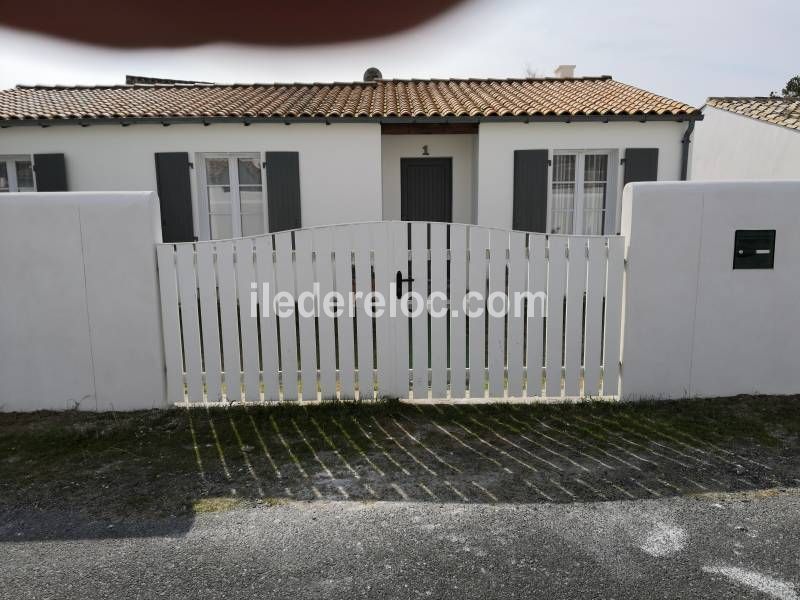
x=779 y=111
x=382 y=99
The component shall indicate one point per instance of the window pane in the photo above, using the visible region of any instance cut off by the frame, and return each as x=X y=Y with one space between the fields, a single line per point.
x=594 y=205
x=3 y=177
x=217 y=171
x=251 y=199
x=594 y=193
x=219 y=200
x=249 y=171
x=564 y=167
x=596 y=167
x=221 y=227
x=563 y=208
x=253 y=223
x=252 y=210
x=24 y=176
x=219 y=207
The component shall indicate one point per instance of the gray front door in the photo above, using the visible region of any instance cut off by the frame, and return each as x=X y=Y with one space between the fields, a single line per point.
x=426 y=189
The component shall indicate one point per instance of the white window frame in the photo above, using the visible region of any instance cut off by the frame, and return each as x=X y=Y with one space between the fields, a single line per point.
x=202 y=189
x=577 y=218
x=11 y=170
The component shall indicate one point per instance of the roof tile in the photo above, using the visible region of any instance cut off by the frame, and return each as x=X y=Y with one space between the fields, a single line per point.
x=414 y=98
x=777 y=110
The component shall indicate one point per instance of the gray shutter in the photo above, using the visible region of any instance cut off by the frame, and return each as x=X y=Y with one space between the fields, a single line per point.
x=641 y=164
x=175 y=196
x=530 y=190
x=51 y=172
x=283 y=190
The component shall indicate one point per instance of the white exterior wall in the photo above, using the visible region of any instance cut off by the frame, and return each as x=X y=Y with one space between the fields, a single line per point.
x=340 y=169
x=80 y=324
x=460 y=147
x=499 y=140
x=693 y=325
x=730 y=146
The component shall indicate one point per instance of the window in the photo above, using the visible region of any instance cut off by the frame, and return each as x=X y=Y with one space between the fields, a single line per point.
x=234 y=195
x=16 y=174
x=579 y=193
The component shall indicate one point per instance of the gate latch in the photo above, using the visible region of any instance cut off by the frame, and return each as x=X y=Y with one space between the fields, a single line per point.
x=399 y=284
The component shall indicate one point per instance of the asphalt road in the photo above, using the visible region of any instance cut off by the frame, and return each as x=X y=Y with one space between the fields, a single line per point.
x=737 y=545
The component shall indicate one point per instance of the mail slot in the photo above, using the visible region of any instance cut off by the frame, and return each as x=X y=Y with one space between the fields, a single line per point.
x=754 y=249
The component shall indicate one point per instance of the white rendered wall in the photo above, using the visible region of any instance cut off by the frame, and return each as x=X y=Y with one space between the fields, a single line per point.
x=80 y=322
x=693 y=325
x=461 y=148
x=499 y=140
x=340 y=168
x=730 y=146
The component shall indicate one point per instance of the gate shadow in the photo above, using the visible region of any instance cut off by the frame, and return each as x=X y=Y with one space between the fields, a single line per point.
x=144 y=474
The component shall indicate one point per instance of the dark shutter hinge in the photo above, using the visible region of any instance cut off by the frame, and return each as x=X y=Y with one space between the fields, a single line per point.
x=622 y=161
x=264 y=165
x=191 y=165
x=549 y=162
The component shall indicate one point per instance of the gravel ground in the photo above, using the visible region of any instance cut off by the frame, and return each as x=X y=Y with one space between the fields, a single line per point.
x=740 y=545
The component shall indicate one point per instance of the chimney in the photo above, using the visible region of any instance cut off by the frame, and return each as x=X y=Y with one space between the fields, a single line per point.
x=565 y=71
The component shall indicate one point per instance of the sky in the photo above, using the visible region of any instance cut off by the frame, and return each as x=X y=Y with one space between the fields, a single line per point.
x=686 y=50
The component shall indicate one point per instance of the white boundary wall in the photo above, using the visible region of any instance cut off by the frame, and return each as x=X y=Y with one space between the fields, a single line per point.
x=79 y=305
x=693 y=325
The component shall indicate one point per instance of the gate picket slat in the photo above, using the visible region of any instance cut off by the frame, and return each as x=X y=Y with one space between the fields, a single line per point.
x=537 y=283
x=496 y=347
x=265 y=272
x=391 y=255
x=284 y=282
x=458 y=321
x=478 y=244
x=207 y=284
x=594 y=314
x=362 y=246
x=555 y=313
x=398 y=234
x=304 y=276
x=386 y=352
x=576 y=285
x=419 y=323
x=229 y=321
x=344 y=285
x=190 y=321
x=173 y=353
x=438 y=334
x=613 y=321
x=248 y=324
x=323 y=252
x=517 y=276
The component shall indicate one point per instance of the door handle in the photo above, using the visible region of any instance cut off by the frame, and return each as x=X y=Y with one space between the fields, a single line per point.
x=399 y=284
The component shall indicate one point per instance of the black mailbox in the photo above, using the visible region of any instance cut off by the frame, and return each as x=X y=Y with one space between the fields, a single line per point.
x=754 y=249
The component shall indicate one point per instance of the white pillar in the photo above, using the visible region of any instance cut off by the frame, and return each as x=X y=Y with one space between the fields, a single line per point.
x=80 y=321
x=693 y=325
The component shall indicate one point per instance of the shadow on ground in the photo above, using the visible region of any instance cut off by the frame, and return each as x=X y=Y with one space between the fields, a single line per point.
x=79 y=475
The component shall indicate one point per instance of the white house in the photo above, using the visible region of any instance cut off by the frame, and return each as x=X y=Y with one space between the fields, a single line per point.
x=747 y=138
x=546 y=154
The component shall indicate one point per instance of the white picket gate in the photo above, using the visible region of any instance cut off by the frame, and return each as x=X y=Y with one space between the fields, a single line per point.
x=215 y=351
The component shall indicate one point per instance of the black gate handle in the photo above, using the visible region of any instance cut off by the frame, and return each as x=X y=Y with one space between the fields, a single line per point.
x=399 y=284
